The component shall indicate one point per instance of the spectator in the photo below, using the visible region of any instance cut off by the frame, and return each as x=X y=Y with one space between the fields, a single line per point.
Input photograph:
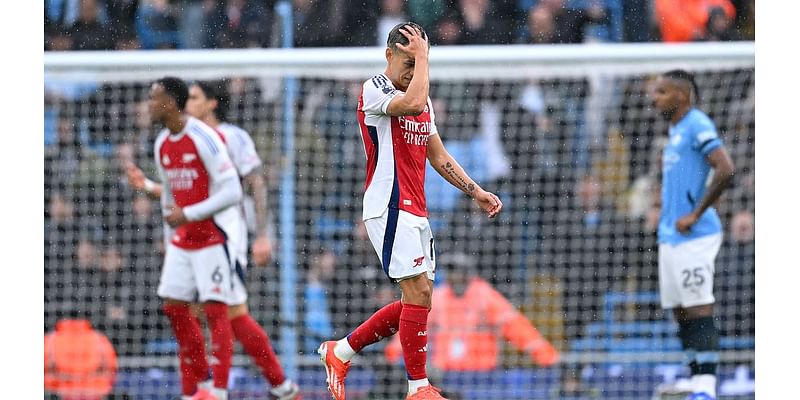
x=238 y=24
x=736 y=290
x=719 y=26
x=319 y=25
x=569 y=24
x=157 y=25
x=485 y=22
x=468 y=320
x=64 y=156
x=87 y=32
x=448 y=30
x=61 y=231
x=58 y=39
x=541 y=26
x=685 y=21
x=427 y=12
x=122 y=14
x=65 y=13
x=636 y=19
x=126 y=40
x=192 y=15
x=392 y=13
x=79 y=362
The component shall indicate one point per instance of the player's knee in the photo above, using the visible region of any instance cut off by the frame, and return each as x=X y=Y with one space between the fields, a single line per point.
x=696 y=312
x=237 y=311
x=215 y=310
x=419 y=293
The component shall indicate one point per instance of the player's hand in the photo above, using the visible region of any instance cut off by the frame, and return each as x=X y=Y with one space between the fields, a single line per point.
x=488 y=202
x=685 y=223
x=417 y=45
x=135 y=176
x=261 y=251
x=174 y=217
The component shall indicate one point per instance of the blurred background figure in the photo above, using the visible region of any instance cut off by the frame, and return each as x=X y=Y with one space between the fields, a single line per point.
x=684 y=21
x=471 y=318
x=79 y=362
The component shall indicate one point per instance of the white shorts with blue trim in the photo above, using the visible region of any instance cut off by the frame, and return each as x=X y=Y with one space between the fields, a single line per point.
x=404 y=244
x=686 y=272
x=207 y=274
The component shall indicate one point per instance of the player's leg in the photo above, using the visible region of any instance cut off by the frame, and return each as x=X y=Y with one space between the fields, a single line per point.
x=697 y=331
x=413 y=331
x=417 y=303
x=177 y=288
x=336 y=355
x=669 y=280
x=214 y=273
x=255 y=341
x=384 y=232
x=686 y=273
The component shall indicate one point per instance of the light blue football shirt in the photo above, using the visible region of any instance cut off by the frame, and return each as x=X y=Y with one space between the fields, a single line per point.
x=685 y=173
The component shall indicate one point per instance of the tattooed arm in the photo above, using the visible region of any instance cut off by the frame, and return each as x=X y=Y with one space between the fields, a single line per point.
x=451 y=171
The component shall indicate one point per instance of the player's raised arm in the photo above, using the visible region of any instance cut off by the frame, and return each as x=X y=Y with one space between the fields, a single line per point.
x=451 y=170
x=411 y=62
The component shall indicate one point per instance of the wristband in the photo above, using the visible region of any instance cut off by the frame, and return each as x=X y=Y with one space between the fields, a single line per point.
x=149 y=185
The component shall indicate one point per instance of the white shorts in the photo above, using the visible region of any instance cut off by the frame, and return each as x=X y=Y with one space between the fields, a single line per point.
x=207 y=274
x=404 y=243
x=686 y=272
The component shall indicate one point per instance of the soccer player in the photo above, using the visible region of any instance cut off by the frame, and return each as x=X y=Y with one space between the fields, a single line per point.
x=208 y=102
x=399 y=132
x=200 y=194
x=689 y=230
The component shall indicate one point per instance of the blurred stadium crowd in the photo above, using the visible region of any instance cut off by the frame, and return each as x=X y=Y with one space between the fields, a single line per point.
x=194 y=24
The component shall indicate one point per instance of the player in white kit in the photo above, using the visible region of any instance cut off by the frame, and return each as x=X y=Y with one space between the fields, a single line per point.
x=208 y=102
x=200 y=194
x=399 y=132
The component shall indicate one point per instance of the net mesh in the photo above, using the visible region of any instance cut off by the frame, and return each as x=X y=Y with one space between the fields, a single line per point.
x=575 y=158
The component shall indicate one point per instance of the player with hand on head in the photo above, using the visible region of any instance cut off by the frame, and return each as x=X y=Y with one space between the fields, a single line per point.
x=200 y=195
x=689 y=230
x=399 y=133
x=208 y=102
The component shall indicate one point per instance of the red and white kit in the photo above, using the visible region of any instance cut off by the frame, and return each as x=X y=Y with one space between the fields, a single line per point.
x=199 y=176
x=243 y=154
x=394 y=212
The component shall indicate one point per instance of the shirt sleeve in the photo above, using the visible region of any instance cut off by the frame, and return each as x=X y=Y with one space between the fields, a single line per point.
x=705 y=140
x=377 y=93
x=434 y=129
x=166 y=193
x=224 y=180
x=243 y=152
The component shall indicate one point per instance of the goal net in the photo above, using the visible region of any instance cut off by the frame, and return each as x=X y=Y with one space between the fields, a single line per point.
x=566 y=136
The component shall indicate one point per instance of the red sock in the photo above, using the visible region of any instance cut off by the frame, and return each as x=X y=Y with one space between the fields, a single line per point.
x=414 y=339
x=201 y=370
x=221 y=342
x=383 y=323
x=256 y=343
x=191 y=345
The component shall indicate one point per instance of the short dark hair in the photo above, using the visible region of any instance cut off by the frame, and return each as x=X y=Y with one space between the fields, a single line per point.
x=218 y=91
x=395 y=36
x=686 y=76
x=175 y=88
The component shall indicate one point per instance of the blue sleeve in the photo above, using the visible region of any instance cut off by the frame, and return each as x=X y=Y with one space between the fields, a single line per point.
x=705 y=138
